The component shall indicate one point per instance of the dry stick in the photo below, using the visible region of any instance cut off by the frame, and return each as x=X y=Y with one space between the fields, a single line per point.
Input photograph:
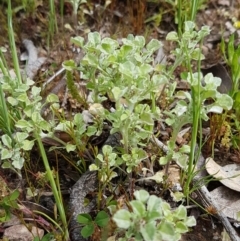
x=210 y=202
x=205 y=193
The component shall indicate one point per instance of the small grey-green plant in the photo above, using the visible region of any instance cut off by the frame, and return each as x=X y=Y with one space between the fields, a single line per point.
x=106 y=162
x=152 y=219
x=191 y=108
x=124 y=73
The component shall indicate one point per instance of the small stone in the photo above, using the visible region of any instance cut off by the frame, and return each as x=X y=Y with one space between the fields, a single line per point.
x=21 y=233
x=224 y=2
x=14 y=220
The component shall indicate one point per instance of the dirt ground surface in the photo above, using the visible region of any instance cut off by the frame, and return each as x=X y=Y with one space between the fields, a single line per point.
x=116 y=19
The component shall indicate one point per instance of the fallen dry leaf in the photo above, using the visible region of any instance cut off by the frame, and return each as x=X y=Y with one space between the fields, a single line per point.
x=228 y=201
x=228 y=175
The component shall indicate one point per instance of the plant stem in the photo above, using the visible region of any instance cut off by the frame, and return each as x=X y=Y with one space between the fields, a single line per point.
x=12 y=44
x=52 y=22
x=5 y=122
x=196 y=106
x=194 y=7
x=3 y=64
x=54 y=187
x=179 y=17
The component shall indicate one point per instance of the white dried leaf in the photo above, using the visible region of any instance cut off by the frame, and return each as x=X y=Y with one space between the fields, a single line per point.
x=228 y=175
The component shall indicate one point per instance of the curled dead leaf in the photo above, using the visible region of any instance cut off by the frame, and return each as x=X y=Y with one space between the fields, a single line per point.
x=228 y=175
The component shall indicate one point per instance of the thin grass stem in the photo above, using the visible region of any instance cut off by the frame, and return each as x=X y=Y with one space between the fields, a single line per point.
x=12 y=44
x=56 y=194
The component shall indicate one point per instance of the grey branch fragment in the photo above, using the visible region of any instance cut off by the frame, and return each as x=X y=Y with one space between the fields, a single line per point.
x=160 y=144
x=33 y=63
x=86 y=184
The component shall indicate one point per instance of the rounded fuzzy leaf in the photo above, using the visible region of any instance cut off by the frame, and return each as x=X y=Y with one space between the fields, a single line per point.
x=182 y=160
x=21 y=136
x=127 y=68
x=159 y=79
x=122 y=218
x=6 y=165
x=70 y=147
x=87 y=230
x=181 y=212
x=185 y=149
x=167 y=231
x=172 y=36
x=189 y=26
x=7 y=141
x=148 y=231
x=69 y=65
x=5 y=153
x=14 y=195
x=126 y=50
x=154 y=211
x=140 y=41
x=102 y=219
x=90 y=59
x=181 y=227
x=138 y=207
x=91 y=130
x=18 y=162
x=215 y=109
x=166 y=208
x=12 y=101
x=190 y=221
x=141 y=195
x=107 y=150
x=163 y=160
x=197 y=55
x=117 y=93
x=94 y=38
x=109 y=45
x=144 y=69
x=36 y=117
x=84 y=218
x=154 y=45
x=226 y=102
x=52 y=98
x=78 y=41
x=35 y=91
x=204 y=31
x=23 y=98
x=146 y=118
x=153 y=203
x=212 y=82
x=78 y=119
x=30 y=82
x=27 y=145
